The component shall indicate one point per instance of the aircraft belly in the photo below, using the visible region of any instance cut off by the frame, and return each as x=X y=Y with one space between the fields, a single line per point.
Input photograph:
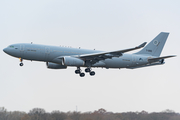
x=99 y=64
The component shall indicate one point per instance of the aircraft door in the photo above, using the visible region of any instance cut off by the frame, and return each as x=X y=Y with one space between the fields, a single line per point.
x=133 y=60
x=22 y=51
x=47 y=53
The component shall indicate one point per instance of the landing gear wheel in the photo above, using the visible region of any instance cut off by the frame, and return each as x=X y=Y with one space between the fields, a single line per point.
x=21 y=64
x=82 y=74
x=87 y=70
x=77 y=71
x=92 y=73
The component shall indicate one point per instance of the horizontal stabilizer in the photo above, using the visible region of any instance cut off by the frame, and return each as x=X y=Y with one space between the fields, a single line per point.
x=159 y=58
x=153 y=64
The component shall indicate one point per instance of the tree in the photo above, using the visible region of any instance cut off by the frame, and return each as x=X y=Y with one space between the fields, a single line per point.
x=57 y=115
x=16 y=115
x=38 y=114
x=3 y=113
x=102 y=111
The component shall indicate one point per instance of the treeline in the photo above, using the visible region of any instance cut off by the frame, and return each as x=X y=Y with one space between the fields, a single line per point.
x=101 y=114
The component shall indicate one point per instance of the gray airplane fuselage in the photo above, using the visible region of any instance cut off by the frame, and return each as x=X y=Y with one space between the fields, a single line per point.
x=36 y=52
x=57 y=57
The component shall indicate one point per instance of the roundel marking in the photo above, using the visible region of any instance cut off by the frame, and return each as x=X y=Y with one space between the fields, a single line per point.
x=155 y=42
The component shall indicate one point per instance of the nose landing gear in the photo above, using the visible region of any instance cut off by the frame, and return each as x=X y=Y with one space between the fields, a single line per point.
x=21 y=64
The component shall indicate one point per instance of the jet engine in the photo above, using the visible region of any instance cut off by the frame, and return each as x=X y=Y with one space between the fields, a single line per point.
x=72 y=61
x=55 y=66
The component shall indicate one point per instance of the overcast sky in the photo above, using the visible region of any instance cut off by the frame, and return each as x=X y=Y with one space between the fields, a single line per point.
x=101 y=24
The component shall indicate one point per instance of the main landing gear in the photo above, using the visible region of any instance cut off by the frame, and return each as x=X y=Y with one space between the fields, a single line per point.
x=21 y=64
x=81 y=74
x=92 y=73
x=78 y=71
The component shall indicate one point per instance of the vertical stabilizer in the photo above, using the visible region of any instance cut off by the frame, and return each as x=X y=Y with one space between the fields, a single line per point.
x=155 y=47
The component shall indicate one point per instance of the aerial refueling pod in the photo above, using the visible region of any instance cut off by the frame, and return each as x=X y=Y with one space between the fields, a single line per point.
x=72 y=61
x=55 y=66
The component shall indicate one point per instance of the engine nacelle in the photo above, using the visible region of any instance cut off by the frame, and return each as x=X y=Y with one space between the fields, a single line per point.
x=55 y=66
x=72 y=61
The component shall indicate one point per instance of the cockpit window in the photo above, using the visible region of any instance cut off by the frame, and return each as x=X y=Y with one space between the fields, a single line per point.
x=11 y=46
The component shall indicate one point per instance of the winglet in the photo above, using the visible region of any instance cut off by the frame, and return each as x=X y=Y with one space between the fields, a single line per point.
x=142 y=45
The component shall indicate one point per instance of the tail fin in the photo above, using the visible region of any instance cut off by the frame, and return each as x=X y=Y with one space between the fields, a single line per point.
x=155 y=47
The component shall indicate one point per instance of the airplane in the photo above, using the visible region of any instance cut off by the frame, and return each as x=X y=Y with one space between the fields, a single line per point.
x=58 y=57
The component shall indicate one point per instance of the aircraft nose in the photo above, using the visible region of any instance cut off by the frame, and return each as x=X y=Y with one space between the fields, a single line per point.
x=5 y=50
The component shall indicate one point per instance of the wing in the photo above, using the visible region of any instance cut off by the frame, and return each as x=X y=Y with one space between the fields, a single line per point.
x=95 y=57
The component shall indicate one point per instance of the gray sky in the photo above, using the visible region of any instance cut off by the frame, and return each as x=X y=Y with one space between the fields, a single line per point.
x=101 y=24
